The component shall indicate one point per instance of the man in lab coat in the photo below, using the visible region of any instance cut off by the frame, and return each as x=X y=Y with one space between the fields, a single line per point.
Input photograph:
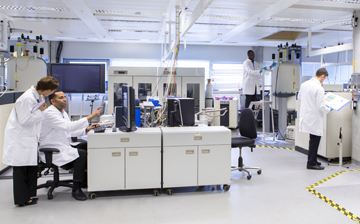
x=56 y=132
x=313 y=114
x=251 y=77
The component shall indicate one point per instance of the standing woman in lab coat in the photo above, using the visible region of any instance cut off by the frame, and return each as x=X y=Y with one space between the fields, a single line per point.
x=21 y=139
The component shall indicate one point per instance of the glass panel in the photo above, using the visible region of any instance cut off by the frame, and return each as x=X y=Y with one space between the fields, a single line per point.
x=193 y=91
x=144 y=89
x=118 y=94
x=172 y=89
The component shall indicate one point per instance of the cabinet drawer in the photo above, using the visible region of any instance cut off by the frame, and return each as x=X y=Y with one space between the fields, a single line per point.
x=142 y=137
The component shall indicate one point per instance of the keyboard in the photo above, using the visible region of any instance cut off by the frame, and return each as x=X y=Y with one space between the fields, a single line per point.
x=99 y=129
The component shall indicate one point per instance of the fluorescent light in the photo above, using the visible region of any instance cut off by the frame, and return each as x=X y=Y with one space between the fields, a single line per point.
x=30 y=8
x=199 y=33
x=340 y=1
x=224 y=16
x=133 y=31
x=296 y=20
x=77 y=38
x=115 y=12
x=129 y=21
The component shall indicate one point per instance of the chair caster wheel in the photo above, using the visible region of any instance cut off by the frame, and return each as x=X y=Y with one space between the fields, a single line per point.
x=169 y=192
x=50 y=197
x=249 y=177
x=226 y=187
x=92 y=195
x=259 y=172
x=156 y=193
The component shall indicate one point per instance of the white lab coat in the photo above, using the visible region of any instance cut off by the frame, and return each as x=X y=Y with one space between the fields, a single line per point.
x=56 y=132
x=251 y=77
x=22 y=131
x=313 y=111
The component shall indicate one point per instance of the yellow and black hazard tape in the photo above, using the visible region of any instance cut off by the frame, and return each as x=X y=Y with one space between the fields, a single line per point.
x=273 y=147
x=330 y=202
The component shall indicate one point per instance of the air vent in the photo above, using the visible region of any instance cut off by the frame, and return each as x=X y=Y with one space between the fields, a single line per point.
x=282 y=27
x=30 y=8
x=133 y=31
x=288 y=36
x=115 y=12
x=129 y=21
x=35 y=17
x=216 y=24
x=296 y=20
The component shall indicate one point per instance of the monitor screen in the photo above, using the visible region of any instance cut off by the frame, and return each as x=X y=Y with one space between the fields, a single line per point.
x=79 y=78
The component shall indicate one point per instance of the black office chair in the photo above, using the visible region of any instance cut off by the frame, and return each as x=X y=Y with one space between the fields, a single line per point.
x=49 y=165
x=247 y=129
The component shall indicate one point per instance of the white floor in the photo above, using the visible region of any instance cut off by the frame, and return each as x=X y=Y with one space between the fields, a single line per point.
x=276 y=196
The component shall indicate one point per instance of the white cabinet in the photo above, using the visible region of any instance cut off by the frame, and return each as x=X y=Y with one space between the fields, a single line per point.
x=106 y=168
x=196 y=156
x=124 y=160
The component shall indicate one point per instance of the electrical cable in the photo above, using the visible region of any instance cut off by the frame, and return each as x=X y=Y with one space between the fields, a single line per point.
x=4 y=91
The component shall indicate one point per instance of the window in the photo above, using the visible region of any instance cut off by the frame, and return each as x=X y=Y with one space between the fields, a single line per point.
x=226 y=77
x=339 y=74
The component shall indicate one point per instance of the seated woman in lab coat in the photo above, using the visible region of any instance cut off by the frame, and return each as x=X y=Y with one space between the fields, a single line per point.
x=56 y=132
x=21 y=139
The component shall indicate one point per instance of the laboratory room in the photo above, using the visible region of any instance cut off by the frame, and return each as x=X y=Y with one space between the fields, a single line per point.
x=180 y=111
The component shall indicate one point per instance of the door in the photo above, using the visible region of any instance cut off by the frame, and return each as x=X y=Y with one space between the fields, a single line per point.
x=143 y=168
x=106 y=169
x=145 y=86
x=193 y=87
x=214 y=165
x=180 y=166
x=114 y=92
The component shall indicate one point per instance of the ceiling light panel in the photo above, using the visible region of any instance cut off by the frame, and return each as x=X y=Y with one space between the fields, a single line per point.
x=295 y=20
x=132 y=31
x=32 y=8
x=117 y=12
x=339 y=1
x=129 y=21
x=42 y=18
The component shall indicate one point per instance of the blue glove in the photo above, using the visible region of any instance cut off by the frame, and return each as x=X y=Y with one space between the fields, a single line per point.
x=330 y=108
x=262 y=69
x=273 y=64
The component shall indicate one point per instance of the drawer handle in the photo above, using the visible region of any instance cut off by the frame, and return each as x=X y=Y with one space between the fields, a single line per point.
x=133 y=153
x=116 y=154
x=197 y=137
x=125 y=140
x=189 y=151
x=205 y=151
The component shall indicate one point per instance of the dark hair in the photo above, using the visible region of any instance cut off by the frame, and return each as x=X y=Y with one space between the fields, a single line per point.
x=321 y=71
x=52 y=96
x=249 y=52
x=47 y=83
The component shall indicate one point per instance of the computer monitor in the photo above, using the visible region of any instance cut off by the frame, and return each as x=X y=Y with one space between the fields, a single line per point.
x=79 y=78
x=181 y=112
x=128 y=113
